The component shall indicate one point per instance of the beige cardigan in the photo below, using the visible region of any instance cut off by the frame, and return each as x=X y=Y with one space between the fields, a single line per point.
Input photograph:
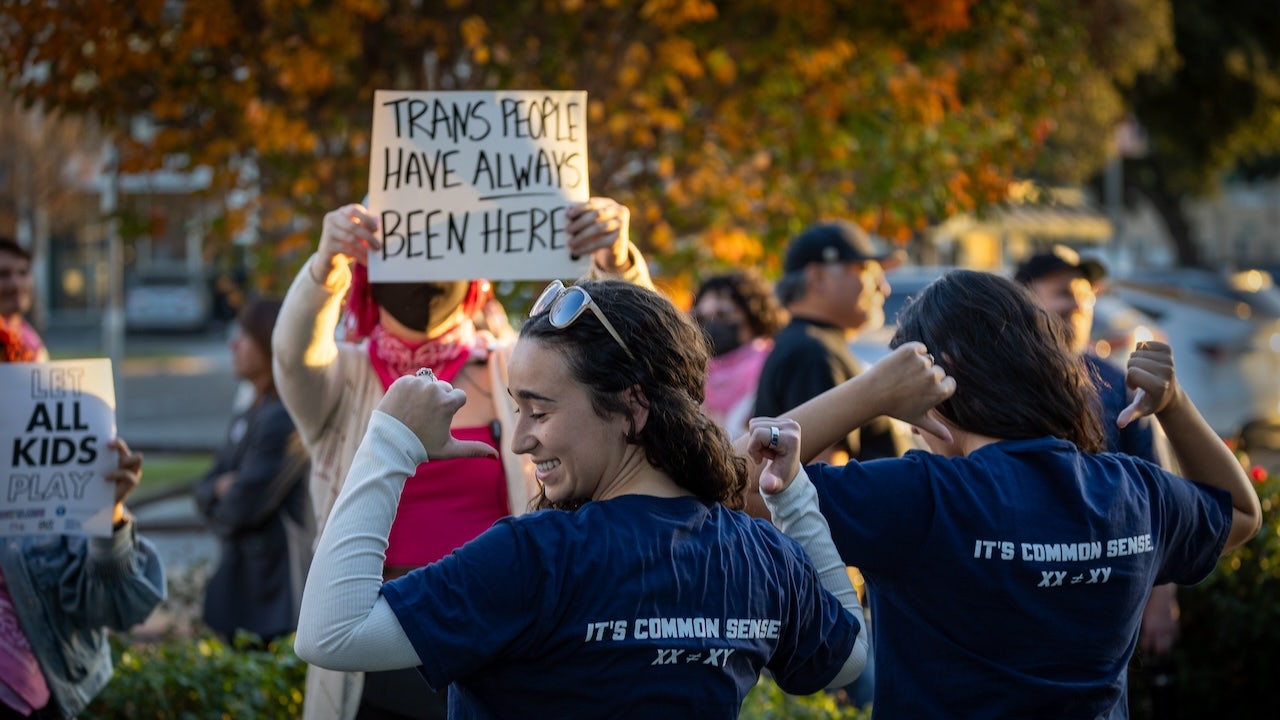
x=330 y=389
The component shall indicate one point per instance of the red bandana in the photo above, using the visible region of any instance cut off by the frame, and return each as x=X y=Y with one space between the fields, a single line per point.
x=394 y=358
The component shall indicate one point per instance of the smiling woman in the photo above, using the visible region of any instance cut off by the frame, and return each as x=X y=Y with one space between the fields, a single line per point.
x=639 y=587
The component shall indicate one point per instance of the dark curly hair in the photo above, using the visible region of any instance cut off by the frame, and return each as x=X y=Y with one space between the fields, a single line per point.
x=1016 y=376
x=752 y=293
x=669 y=369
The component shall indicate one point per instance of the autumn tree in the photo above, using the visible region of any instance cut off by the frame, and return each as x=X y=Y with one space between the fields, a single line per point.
x=1214 y=106
x=44 y=161
x=725 y=125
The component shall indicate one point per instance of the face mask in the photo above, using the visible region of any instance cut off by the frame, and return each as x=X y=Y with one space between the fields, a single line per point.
x=420 y=306
x=725 y=336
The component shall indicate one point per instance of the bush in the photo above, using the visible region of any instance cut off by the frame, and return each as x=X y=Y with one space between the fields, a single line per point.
x=1228 y=656
x=766 y=701
x=201 y=677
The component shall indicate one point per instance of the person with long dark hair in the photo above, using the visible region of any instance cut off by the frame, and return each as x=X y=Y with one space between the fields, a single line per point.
x=331 y=382
x=254 y=497
x=638 y=591
x=1008 y=568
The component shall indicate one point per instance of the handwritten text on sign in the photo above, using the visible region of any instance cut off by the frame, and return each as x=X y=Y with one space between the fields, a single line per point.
x=475 y=184
x=53 y=435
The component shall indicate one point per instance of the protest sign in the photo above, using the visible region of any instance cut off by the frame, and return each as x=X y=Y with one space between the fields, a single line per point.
x=57 y=420
x=474 y=184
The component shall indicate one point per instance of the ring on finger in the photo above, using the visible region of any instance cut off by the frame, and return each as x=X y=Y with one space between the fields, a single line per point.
x=773 y=436
x=427 y=373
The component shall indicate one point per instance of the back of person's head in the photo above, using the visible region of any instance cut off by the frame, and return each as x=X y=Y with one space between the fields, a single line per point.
x=752 y=294
x=1016 y=376
x=9 y=246
x=257 y=320
x=669 y=369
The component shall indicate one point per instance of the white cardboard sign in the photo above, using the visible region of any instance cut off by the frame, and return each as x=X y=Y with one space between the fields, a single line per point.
x=57 y=419
x=472 y=185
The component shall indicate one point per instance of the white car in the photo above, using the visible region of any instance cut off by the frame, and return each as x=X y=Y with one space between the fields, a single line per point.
x=175 y=302
x=1224 y=329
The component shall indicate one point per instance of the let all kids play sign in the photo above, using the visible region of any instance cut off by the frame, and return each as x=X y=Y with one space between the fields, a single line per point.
x=57 y=420
x=475 y=184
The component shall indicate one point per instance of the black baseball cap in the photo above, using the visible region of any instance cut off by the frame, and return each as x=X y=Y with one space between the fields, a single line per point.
x=839 y=241
x=1059 y=257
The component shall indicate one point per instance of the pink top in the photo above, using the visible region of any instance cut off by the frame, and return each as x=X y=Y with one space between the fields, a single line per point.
x=448 y=503
x=731 y=384
x=22 y=685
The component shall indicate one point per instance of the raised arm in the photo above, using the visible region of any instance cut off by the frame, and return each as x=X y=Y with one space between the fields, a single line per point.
x=905 y=385
x=1202 y=456
x=305 y=354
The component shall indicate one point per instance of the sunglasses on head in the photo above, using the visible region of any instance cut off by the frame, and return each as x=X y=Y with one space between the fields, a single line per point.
x=564 y=305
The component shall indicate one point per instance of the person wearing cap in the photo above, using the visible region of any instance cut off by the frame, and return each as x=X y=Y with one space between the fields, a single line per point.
x=254 y=498
x=834 y=287
x=331 y=388
x=1067 y=285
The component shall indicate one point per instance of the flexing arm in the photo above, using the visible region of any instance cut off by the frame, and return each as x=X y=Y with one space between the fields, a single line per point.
x=345 y=622
x=1202 y=456
x=794 y=507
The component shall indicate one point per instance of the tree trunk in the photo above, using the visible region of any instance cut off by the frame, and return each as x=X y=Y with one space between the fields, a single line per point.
x=1169 y=204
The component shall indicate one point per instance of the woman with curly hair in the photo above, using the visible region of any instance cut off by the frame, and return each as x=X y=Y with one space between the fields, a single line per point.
x=637 y=591
x=740 y=315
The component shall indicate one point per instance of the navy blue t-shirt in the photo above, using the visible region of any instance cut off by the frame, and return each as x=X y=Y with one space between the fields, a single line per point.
x=636 y=606
x=1010 y=583
x=1137 y=438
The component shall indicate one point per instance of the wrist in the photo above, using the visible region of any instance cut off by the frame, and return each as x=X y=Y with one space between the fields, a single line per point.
x=617 y=259
x=323 y=269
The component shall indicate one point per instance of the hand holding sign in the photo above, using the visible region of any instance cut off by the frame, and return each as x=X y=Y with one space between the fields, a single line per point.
x=600 y=226
x=125 y=477
x=349 y=233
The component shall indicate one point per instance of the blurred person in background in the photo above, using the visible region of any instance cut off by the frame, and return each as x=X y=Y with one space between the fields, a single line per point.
x=332 y=387
x=17 y=288
x=1067 y=286
x=60 y=594
x=833 y=287
x=740 y=315
x=255 y=499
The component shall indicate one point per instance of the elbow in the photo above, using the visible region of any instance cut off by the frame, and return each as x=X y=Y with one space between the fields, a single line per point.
x=311 y=648
x=1244 y=527
x=853 y=665
x=306 y=647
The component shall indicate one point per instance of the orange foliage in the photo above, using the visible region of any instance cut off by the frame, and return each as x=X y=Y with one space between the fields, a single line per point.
x=727 y=126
